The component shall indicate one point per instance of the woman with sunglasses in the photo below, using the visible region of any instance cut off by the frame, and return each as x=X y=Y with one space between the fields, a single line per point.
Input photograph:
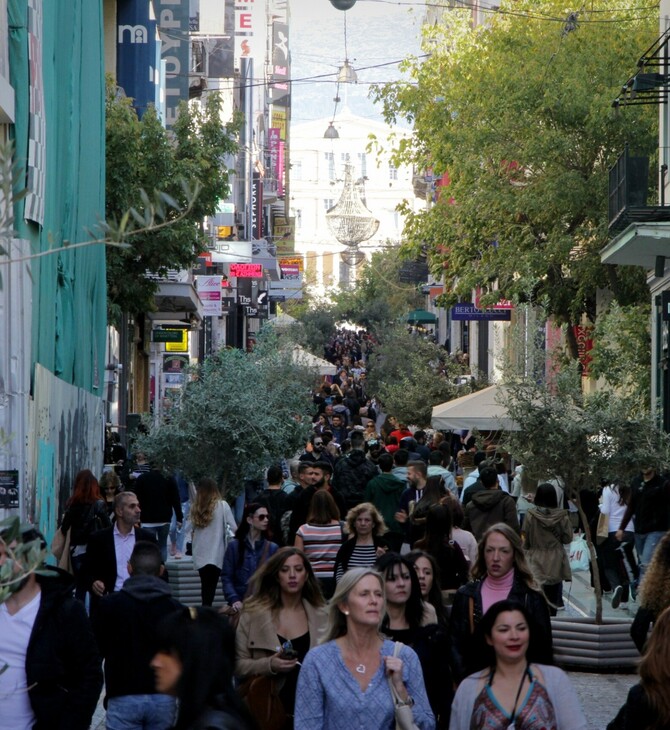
x=250 y=548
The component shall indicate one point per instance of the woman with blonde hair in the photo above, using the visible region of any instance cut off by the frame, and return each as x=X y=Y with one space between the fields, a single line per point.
x=654 y=595
x=356 y=678
x=500 y=572
x=365 y=527
x=647 y=706
x=213 y=523
x=282 y=620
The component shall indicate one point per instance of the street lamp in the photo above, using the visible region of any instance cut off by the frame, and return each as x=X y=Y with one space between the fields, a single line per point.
x=343 y=4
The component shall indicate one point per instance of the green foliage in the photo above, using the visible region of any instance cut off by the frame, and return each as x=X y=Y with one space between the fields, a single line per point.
x=379 y=297
x=187 y=172
x=622 y=351
x=239 y=413
x=411 y=375
x=518 y=112
x=581 y=438
x=316 y=323
x=21 y=558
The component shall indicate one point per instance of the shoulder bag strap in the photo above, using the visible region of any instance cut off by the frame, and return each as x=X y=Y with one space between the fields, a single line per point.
x=471 y=614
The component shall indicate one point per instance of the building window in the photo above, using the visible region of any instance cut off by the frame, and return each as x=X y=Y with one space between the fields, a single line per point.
x=362 y=164
x=330 y=161
x=393 y=172
x=328 y=203
x=296 y=170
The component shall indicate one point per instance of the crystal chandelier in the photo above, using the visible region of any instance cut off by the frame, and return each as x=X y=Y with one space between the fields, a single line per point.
x=349 y=220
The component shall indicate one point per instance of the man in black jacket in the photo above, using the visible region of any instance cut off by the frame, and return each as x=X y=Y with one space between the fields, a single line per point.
x=158 y=496
x=125 y=627
x=650 y=507
x=109 y=550
x=53 y=674
x=353 y=472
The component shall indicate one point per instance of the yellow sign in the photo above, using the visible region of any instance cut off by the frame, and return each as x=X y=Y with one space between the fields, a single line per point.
x=284 y=235
x=279 y=121
x=224 y=231
x=292 y=261
x=182 y=345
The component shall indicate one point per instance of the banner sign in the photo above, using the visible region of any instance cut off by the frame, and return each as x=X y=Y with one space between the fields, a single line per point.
x=136 y=49
x=256 y=206
x=467 y=311
x=247 y=271
x=291 y=268
x=173 y=24
x=209 y=291
x=279 y=89
x=584 y=337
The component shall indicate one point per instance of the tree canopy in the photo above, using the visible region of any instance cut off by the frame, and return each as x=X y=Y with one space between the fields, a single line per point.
x=518 y=113
x=410 y=375
x=142 y=158
x=239 y=413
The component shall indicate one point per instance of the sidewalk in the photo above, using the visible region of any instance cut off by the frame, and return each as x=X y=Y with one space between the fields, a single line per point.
x=580 y=600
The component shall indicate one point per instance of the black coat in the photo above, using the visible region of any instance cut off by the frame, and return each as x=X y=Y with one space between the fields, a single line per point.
x=351 y=475
x=125 y=628
x=63 y=667
x=100 y=560
x=636 y=713
x=469 y=650
x=158 y=496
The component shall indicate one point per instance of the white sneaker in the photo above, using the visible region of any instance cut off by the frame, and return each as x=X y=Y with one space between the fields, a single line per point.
x=616 y=597
x=623 y=606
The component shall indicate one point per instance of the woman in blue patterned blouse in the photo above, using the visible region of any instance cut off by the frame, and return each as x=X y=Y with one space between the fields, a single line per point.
x=344 y=683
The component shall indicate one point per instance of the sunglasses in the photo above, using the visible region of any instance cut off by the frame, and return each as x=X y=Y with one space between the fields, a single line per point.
x=262 y=517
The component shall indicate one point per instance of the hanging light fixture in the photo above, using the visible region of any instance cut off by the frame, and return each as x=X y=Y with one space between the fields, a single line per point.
x=331 y=132
x=347 y=74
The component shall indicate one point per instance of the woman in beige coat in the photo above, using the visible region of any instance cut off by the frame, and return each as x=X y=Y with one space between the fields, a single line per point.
x=279 y=624
x=546 y=530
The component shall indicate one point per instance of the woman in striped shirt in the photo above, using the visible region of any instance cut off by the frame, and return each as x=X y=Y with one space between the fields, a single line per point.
x=365 y=544
x=320 y=538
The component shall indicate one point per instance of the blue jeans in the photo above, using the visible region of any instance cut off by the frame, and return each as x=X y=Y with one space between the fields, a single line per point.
x=140 y=712
x=177 y=537
x=645 y=544
x=161 y=533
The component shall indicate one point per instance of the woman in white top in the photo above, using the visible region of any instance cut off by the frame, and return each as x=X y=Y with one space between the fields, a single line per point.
x=213 y=522
x=615 y=499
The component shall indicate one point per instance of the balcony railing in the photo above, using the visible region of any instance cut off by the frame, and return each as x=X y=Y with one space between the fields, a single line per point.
x=628 y=192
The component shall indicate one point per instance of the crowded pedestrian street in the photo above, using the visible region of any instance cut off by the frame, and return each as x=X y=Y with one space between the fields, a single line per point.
x=334 y=385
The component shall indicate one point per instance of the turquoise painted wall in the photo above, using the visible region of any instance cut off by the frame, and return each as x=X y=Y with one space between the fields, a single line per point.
x=69 y=289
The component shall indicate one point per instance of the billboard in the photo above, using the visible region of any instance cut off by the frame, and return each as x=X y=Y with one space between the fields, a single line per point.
x=173 y=21
x=279 y=87
x=137 y=53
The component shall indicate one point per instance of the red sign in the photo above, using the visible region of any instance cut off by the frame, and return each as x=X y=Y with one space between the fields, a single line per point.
x=584 y=337
x=500 y=304
x=247 y=271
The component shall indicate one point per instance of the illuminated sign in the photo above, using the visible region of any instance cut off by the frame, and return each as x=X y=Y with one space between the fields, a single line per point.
x=247 y=271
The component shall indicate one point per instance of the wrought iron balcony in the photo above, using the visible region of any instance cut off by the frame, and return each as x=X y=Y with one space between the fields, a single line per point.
x=628 y=191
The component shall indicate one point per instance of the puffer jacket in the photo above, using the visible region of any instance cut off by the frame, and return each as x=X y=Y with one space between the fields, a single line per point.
x=469 y=648
x=487 y=508
x=546 y=531
x=352 y=473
